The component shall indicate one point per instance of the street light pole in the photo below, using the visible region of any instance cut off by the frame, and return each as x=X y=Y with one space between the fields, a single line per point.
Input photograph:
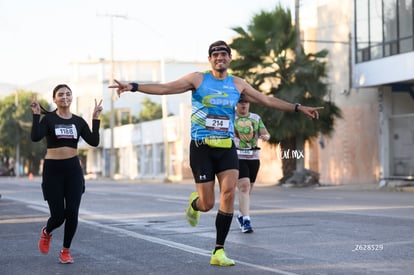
x=112 y=161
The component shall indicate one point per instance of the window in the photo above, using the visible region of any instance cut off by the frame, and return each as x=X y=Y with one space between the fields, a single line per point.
x=390 y=27
x=375 y=28
x=362 y=30
x=405 y=10
x=383 y=28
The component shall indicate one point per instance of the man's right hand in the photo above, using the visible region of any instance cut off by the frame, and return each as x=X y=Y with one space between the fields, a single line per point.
x=120 y=87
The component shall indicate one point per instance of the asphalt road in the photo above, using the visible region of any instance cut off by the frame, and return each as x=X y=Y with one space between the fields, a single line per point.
x=140 y=228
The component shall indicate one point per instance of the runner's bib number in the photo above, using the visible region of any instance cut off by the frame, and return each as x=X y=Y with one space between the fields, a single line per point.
x=242 y=152
x=66 y=131
x=217 y=123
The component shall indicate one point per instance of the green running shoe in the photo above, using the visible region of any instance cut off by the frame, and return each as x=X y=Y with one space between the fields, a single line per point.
x=221 y=259
x=192 y=215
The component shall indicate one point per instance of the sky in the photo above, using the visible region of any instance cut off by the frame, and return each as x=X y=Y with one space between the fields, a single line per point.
x=39 y=39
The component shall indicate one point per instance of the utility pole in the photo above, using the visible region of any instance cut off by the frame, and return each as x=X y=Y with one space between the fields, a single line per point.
x=17 y=160
x=112 y=161
x=297 y=27
x=164 y=106
x=300 y=162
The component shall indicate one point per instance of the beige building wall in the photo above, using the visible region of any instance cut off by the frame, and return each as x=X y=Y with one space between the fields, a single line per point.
x=350 y=154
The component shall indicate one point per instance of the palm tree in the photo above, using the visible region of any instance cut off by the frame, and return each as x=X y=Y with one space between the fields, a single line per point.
x=265 y=56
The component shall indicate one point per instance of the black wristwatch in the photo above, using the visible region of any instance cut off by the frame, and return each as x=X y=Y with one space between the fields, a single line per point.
x=297 y=107
x=134 y=86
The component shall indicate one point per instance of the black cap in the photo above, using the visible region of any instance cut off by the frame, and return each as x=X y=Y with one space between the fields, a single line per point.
x=242 y=99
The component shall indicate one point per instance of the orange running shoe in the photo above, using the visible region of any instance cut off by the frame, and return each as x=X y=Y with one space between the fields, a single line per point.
x=64 y=256
x=44 y=241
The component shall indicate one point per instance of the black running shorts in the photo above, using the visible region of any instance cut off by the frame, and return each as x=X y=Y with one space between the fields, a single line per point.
x=206 y=162
x=248 y=168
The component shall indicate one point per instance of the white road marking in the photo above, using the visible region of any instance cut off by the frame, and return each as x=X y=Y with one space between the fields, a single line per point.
x=180 y=246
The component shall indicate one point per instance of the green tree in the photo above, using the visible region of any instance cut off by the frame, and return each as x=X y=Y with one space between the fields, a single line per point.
x=15 y=127
x=105 y=120
x=265 y=57
x=150 y=110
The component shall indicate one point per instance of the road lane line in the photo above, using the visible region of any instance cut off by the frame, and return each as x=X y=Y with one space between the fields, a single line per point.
x=180 y=246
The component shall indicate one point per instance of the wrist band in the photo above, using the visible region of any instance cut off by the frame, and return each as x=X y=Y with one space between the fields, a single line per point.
x=297 y=107
x=134 y=86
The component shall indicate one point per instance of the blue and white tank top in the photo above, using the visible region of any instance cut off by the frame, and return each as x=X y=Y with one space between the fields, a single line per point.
x=213 y=108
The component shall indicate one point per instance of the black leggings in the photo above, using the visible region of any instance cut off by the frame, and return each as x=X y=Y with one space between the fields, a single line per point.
x=62 y=186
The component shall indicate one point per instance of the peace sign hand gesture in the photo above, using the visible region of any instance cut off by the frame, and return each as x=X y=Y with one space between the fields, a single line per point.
x=97 y=110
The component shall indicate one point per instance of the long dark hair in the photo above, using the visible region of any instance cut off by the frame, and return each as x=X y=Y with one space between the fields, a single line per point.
x=42 y=109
